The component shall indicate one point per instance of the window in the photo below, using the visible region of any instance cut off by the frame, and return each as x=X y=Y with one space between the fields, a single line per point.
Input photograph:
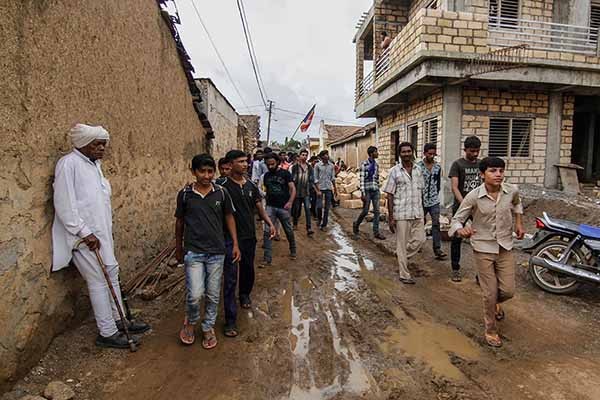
x=504 y=13
x=509 y=137
x=430 y=127
x=432 y=4
x=595 y=20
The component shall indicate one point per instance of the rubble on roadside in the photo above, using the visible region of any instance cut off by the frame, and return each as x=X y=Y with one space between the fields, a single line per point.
x=349 y=194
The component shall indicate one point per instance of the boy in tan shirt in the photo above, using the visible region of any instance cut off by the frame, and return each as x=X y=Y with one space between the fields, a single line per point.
x=492 y=206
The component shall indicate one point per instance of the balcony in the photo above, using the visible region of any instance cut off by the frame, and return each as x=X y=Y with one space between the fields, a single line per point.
x=438 y=34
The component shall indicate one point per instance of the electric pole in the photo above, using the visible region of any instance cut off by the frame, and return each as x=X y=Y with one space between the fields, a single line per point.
x=270 y=110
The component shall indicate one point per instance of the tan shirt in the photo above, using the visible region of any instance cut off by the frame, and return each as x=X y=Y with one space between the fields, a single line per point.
x=492 y=219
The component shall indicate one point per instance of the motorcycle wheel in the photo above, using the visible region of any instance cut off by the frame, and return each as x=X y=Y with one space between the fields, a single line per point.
x=550 y=281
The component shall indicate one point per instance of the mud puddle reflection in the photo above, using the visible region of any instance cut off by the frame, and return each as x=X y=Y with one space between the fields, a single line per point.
x=353 y=377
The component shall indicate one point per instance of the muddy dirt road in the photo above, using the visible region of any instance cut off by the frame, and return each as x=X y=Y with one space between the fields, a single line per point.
x=341 y=326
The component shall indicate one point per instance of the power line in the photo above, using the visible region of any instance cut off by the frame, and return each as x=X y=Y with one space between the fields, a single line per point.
x=318 y=116
x=253 y=50
x=250 y=52
x=218 y=54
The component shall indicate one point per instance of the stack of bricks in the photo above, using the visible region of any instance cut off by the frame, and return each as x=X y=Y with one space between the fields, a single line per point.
x=479 y=105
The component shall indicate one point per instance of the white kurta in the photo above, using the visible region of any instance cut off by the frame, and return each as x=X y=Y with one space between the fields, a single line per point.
x=82 y=206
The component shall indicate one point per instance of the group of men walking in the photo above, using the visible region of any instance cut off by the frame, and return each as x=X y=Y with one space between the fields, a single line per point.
x=216 y=224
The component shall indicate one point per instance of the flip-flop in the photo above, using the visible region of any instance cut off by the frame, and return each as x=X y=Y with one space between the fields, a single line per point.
x=493 y=340
x=186 y=334
x=500 y=315
x=209 y=340
x=230 y=331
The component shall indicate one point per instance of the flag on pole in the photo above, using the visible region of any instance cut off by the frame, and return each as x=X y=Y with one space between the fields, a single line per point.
x=305 y=124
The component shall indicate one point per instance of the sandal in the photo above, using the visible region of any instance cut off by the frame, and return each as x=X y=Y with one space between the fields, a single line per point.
x=209 y=340
x=493 y=340
x=230 y=331
x=500 y=315
x=186 y=334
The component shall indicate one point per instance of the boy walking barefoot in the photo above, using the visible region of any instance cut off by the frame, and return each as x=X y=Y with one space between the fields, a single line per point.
x=202 y=210
x=492 y=206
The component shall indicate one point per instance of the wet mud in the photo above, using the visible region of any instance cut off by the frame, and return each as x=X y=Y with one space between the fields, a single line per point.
x=337 y=324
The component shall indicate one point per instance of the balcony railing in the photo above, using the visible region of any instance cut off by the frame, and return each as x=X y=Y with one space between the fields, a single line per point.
x=543 y=42
x=545 y=36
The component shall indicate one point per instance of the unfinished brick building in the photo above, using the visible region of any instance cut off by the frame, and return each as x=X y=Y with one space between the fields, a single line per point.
x=523 y=75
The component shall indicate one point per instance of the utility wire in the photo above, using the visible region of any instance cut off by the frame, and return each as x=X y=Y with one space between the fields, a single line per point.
x=253 y=50
x=318 y=116
x=218 y=54
x=252 y=60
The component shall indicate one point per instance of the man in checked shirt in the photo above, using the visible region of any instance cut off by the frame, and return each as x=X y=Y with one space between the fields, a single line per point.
x=369 y=188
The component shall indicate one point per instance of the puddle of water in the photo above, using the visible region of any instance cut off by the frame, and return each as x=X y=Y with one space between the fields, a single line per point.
x=347 y=263
x=431 y=343
x=300 y=331
x=315 y=393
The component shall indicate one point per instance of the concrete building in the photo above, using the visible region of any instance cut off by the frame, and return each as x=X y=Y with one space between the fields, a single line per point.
x=352 y=148
x=522 y=75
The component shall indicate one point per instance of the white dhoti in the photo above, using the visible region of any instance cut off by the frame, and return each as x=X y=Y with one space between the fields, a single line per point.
x=104 y=307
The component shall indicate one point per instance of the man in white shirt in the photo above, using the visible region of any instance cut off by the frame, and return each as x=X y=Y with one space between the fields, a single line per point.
x=83 y=213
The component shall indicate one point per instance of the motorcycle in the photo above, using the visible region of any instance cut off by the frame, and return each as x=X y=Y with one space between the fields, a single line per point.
x=564 y=254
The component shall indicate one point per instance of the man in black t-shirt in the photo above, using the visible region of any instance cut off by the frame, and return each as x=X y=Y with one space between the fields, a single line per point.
x=246 y=199
x=281 y=192
x=203 y=209
x=465 y=176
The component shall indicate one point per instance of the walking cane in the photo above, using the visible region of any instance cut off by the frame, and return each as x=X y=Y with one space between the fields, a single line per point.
x=132 y=345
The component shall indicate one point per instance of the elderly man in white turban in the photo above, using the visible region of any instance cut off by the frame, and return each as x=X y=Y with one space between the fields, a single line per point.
x=83 y=213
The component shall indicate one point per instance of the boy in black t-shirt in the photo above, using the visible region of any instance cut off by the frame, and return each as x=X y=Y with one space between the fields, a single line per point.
x=202 y=211
x=281 y=192
x=465 y=176
x=246 y=199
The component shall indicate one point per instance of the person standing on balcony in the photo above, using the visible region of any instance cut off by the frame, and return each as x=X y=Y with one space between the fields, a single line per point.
x=386 y=40
x=465 y=177
x=369 y=188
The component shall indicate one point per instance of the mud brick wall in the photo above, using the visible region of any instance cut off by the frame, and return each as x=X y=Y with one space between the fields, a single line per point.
x=109 y=62
x=414 y=112
x=479 y=105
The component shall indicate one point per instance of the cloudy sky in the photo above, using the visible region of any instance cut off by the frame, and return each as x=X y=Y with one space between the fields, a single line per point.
x=304 y=49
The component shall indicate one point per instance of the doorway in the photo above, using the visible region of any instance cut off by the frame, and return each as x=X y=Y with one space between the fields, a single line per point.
x=413 y=135
x=395 y=143
x=585 y=150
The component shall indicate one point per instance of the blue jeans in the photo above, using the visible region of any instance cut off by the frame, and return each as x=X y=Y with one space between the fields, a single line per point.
x=371 y=196
x=323 y=211
x=434 y=211
x=299 y=202
x=203 y=274
x=283 y=216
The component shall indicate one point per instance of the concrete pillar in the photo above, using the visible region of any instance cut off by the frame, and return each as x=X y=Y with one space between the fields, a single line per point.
x=579 y=12
x=360 y=62
x=451 y=137
x=553 y=139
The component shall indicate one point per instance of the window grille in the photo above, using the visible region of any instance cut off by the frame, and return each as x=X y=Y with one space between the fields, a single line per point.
x=430 y=128
x=509 y=137
x=595 y=20
x=504 y=13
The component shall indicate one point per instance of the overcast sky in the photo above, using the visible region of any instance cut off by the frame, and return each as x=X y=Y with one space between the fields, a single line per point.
x=304 y=49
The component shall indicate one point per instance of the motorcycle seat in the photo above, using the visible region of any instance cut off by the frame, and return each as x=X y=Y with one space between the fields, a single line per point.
x=563 y=224
x=589 y=231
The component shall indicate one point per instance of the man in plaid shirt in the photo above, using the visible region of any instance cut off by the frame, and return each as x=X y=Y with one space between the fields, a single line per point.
x=369 y=187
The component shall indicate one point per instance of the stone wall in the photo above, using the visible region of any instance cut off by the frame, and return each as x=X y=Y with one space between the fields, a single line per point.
x=389 y=17
x=566 y=132
x=109 y=62
x=480 y=105
x=414 y=113
x=251 y=132
x=537 y=10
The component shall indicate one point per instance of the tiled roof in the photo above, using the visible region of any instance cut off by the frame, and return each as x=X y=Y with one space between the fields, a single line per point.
x=337 y=132
x=351 y=134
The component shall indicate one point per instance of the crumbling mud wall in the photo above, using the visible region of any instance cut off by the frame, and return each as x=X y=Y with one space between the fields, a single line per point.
x=109 y=62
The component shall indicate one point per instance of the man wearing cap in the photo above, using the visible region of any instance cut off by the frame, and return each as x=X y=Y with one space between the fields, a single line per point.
x=83 y=223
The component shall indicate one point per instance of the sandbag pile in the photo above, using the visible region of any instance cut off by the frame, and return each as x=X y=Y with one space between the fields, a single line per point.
x=349 y=194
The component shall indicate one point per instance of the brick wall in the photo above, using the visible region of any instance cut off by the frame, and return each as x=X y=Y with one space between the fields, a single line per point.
x=415 y=112
x=567 y=129
x=537 y=10
x=479 y=105
x=477 y=6
x=389 y=17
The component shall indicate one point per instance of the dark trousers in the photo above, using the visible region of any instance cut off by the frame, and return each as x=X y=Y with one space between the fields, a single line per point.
x=248 y=251
x=230 y=278
x=323 y=205
x=300 y=202
x=455 y=245
x=434 y=211
x=371 y=197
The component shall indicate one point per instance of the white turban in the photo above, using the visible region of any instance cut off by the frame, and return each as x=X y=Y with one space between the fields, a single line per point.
x=82 y=135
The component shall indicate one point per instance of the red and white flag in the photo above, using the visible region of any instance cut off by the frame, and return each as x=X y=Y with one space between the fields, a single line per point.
x=305 y=124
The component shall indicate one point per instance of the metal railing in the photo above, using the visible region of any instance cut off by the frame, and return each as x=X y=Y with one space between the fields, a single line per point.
x=545 y=36
x=381 y=66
